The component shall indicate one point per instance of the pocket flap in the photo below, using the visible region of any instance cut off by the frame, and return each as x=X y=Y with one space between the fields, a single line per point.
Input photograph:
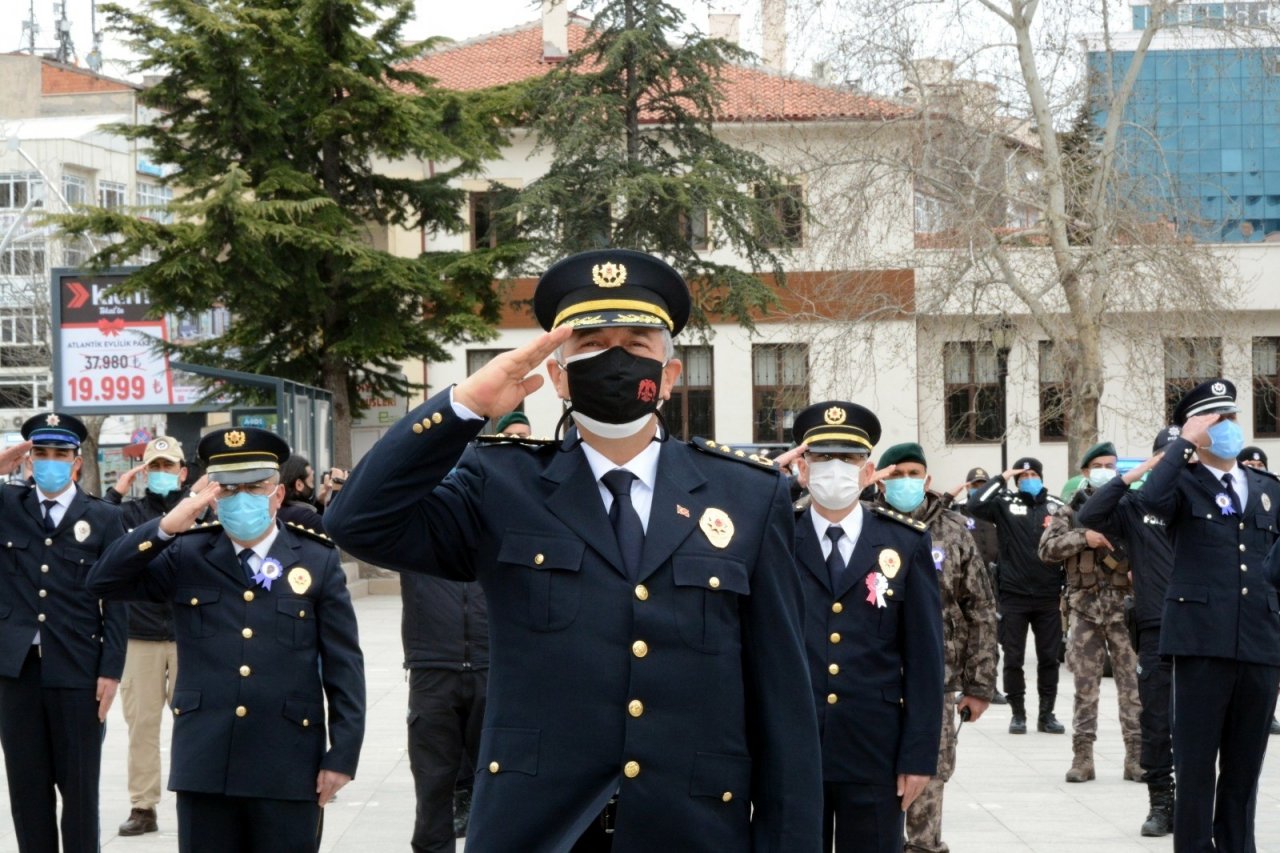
x=5 y=609
x=185 y=700
x=715 y=573
x=304 y=712
x=195 y=596
x=80 y=556
x=1187 y=592
x=892 y=693
x=509 y=750
x=537 y=551
x=297 y=608
x=724 y=777
x=17 y=542
x=1265 y=521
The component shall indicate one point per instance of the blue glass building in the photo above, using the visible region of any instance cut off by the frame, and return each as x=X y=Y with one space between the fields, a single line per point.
x=1201 y=138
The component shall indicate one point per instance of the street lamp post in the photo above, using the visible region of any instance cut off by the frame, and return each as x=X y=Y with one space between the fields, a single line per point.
x=1002 y=332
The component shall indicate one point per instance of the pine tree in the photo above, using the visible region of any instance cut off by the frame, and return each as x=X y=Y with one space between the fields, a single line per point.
x=637 y=164
x=275 y=117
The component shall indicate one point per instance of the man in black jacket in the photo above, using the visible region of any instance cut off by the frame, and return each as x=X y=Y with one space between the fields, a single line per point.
x=1115 y=512
x=445 y=630
x=1030 y=590
x=151 y=664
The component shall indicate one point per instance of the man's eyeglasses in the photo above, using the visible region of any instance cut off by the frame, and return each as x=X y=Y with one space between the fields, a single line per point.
x=850 y=458
x=261 y=488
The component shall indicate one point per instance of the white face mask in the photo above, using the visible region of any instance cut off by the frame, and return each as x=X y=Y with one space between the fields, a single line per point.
x=834 y=484
x=1100 y=476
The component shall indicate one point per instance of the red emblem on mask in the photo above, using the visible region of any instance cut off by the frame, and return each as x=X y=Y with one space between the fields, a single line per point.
x=646 y=391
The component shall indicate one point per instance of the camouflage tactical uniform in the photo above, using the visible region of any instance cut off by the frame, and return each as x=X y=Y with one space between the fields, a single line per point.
x=969 y=652
x=1097 y=583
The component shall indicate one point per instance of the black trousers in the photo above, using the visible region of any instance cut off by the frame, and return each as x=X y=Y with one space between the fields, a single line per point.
x=1041 y=615
x=862 y=818
x=215 y=823
x=52 y=740
x=446 y=710
x=1155 y=682
x=1221 y=724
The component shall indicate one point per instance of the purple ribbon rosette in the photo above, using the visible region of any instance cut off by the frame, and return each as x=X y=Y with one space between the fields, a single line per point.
x=1223 y=500
x=269 y=572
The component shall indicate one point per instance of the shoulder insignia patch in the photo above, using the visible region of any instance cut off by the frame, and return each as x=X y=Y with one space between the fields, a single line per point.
x=310 y=533
x=1267 y=473
x=524 y=441
x=894 y=515
x=711 y=447
x=802 y=503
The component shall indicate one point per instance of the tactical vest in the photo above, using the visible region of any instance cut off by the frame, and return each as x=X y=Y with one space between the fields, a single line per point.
x=1096 y=567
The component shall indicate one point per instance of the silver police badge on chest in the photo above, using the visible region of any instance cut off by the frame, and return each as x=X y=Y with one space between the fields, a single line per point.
x=1266 y=503
x=82 y=530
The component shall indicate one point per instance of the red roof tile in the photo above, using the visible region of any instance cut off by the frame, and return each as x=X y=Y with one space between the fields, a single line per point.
x=750 y=94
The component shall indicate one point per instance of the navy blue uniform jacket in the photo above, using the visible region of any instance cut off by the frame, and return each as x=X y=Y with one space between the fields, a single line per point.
x=877 y=671
x=42 y=586
x=1220 y=603
x=686 y=690
x=254 y=666
x=1114 y=510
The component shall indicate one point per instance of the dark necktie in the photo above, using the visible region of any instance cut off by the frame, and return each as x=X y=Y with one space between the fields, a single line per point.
x=1231 y=493
x=244 y=561
x=835 y=563
x=48 y=515
x=626 y=523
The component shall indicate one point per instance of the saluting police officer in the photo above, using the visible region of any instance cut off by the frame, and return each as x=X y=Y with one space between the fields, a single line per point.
x=648 y=682
x=1221 y=619
x=266 y=637
x=61 y=650
x=873 y=631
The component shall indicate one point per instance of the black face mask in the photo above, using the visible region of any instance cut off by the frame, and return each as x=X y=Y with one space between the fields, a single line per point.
x=615 y=387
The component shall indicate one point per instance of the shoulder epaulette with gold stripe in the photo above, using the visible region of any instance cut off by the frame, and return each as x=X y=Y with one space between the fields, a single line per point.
x=201 y=527
x=310 y=533
x=714 y=448
x=894 y=515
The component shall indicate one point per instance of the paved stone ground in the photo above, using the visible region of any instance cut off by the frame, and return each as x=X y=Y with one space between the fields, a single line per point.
x=1007 y=795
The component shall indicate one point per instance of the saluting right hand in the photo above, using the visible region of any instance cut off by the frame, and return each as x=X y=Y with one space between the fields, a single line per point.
x=1196 y=429
x=190 y=508
x=869 y=476
x=125 y=481
x=505 y=381
x=11 y=456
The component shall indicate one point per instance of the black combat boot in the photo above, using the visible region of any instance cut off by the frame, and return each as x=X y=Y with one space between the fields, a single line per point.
x=461 y=811
x=1159 y=822
x=1018 y=723
x=1048 y=723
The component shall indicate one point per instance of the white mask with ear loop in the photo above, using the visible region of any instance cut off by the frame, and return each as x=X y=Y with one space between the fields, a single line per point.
x=834 y=484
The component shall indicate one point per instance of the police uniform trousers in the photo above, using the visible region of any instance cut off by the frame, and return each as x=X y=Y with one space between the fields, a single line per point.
x=51 y=737
x=1155 y=680
x=216 y=823
x=862 y=818
x=1041 y=615
x=1221 y=722
x=446 y=712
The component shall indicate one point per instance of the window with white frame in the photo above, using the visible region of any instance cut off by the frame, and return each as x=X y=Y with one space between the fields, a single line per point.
x=111 y=194
x=17 y=188
x=22 y=259
x=75 y=189
x=23 y=327
x=24 y=390
x=156 y=199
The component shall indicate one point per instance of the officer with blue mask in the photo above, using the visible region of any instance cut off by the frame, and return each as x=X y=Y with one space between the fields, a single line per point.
x=269 y=705
x=1221 y=617
x=1030 y=590
x=61 y=650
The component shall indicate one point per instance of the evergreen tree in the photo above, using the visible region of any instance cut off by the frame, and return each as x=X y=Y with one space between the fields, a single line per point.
x=276 y=117
x=636 y=163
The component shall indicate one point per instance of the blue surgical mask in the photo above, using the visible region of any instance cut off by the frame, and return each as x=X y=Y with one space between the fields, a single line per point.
x=1030 y=486
x=904 y=493
x=1228 y=439
x=973 y=492
x=161 y=482
x=52 y=475
x=245 y=516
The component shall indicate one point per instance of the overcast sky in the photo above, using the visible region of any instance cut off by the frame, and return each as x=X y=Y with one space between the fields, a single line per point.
x=434 y=18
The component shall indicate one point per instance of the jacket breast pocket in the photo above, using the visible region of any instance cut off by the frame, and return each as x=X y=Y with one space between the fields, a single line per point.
x=14 y=551
x=191 y=610
x=1187 y=593
x=707 y=594
x=296 y=622
x=550 y=573
x=890 y=613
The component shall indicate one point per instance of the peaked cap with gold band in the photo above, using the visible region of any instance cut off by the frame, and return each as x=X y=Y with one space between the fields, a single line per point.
x=836 y=426
x=242 y=454
x=54 y=429
x=612 y=287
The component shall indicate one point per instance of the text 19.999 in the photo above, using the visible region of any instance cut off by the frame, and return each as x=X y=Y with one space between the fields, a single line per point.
x=85 y=389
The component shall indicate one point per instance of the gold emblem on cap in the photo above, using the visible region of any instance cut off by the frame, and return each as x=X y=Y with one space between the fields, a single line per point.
x=834 y=415
x=52 y=420
x=890 y=562
x=235 y=438
x=299 y=580
x=717 y=525
x=1266 y=503
x=609 y=275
